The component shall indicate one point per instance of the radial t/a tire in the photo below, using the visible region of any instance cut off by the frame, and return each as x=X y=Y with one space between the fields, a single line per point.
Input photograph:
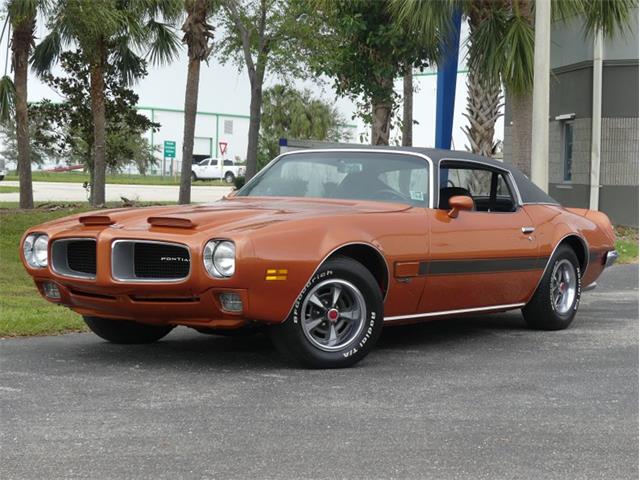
x=555 y=302
x=337 y=318
x=125 y=331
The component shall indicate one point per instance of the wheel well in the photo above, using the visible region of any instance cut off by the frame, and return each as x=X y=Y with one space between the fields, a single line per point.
x=371 y=259
x=580 y=249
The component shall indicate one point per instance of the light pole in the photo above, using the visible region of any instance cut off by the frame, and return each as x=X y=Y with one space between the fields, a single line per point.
x=540 y=113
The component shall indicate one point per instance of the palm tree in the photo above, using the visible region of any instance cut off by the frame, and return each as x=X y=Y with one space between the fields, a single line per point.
x=108 y=31
x=501 y=42
x=198 y=34
x=21 y=18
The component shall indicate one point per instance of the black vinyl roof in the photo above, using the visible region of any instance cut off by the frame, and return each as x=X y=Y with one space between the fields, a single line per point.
x=529 y=192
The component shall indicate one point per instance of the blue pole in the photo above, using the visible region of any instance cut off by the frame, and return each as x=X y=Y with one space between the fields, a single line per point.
x=446 y=96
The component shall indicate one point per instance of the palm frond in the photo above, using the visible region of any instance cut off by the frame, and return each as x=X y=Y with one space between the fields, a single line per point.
x=164 y=44
x=432 y=20
x=485 y=53
x=610 y=16
x=7 y=99
x=46 y=53
x=127 y=61
x=516 y=52
x=22 y=10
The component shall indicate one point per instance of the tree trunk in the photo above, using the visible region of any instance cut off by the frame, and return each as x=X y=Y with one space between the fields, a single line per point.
x=190 y=109
x=255 y=109
x=382 y=108
x=483 y=110
x=99 y=135
x=21 y=42
x=407 y=108
x=521 y=107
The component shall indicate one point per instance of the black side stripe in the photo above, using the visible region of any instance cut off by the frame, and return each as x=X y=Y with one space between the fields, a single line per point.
x=481 y=265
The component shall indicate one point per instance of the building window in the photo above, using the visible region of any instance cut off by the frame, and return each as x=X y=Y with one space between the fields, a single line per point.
x=568 y=151
x=228 y=127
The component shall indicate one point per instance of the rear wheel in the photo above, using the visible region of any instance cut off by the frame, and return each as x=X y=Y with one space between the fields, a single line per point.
x=337 y=318
x=125 y=331
x=229 y=177
x=555 y=302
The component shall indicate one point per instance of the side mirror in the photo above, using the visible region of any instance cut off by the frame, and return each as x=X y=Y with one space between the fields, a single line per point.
x=459 y=202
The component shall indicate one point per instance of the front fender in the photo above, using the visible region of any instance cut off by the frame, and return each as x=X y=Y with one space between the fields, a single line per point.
x=300 y=252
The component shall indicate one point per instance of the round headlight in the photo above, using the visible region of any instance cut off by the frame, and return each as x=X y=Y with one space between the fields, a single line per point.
x=35 y=250
x=224 y=258
x=40 y=253
x=220 y=258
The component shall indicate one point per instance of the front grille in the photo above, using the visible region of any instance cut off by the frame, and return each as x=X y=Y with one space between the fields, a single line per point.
x=157 y=260
x=81 y=256
x=74 y=257
x=137 y=260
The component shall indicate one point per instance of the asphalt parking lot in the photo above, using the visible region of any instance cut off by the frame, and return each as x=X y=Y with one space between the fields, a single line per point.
x=465 y=399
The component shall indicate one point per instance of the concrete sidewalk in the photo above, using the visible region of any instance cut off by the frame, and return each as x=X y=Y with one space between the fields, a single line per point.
x=74 y=192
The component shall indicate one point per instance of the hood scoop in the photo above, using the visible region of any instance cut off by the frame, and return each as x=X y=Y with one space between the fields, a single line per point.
x=91 y=220
x=171 y=222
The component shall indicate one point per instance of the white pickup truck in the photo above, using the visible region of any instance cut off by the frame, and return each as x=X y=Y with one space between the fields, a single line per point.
x=3 y=170
x=216 y=169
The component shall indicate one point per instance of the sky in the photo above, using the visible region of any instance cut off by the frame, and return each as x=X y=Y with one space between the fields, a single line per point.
x=225 y=89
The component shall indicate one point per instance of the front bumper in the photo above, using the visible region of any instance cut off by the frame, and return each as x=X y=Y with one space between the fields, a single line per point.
x=150 y=306
x=610 y=258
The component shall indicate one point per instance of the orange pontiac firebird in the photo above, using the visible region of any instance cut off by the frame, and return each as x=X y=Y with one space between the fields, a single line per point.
x=325 y=247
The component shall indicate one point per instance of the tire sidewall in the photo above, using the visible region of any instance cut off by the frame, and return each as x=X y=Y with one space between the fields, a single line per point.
x=363 y=342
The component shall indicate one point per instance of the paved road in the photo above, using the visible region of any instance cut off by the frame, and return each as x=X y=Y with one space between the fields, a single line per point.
x=73 y=192
x=466 y=399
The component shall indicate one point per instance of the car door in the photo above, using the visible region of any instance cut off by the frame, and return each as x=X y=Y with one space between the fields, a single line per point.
x=213 y=171
x=200 y=168
x=484 y=257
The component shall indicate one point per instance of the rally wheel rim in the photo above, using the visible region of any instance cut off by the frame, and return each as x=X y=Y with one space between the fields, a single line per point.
x=333 y=314
x=564 y=286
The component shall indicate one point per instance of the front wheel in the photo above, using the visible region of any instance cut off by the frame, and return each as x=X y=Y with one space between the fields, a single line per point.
x=125 y=331
x=337 y=318
x=194 y=177
x=555 y=302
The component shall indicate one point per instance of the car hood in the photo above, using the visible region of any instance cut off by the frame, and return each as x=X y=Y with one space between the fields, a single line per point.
x=227 y=215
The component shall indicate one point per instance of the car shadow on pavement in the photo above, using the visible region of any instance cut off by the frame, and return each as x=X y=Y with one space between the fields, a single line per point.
x=447 y=330
x=185 y=349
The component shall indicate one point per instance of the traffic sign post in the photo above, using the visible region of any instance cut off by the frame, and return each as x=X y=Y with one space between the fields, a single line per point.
x=223 y=148
x=169 y=152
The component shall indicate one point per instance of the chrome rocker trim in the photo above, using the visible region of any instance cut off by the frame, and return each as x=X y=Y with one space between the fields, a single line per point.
x=511 y=306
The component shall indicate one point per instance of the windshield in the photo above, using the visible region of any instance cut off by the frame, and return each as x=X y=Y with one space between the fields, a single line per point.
x=378 y=176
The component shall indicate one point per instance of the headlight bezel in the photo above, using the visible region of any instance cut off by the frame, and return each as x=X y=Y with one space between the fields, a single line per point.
x=212 y=265
x=32 y=246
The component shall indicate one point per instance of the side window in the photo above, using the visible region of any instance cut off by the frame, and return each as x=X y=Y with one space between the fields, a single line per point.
x=227 y=163
x=568 y=152
x=489 y=189
x=214 y=163
x=204 y=163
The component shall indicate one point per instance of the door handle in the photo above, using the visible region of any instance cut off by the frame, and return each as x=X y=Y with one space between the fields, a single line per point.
x=528 y=230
